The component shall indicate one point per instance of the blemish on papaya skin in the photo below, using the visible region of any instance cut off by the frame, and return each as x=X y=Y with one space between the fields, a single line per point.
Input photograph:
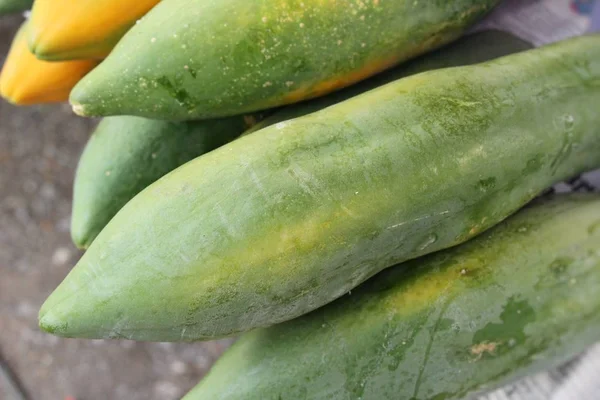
x=339 y=82
x=78 y=109
x=478 y=350
x=178 y=93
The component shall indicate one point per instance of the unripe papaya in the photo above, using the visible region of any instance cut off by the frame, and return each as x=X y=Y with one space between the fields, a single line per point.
x=67 y=29
x=196 y=59
x=11 y=6
x=282 y=221
x=25 y=80
x=521 y=298
x=126 y=154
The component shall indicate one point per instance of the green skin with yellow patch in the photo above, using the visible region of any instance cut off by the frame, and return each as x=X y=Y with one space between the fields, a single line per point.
x=12 y=6
x=280 y=222
x=472 y=49
x=212 y=58
x=518 y=299
x=126 y=154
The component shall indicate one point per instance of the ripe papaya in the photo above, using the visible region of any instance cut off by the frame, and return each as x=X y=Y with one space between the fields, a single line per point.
x=126 y=154
x=236 y=56
x=25 y=80
x=471 y=49
x=280 y=222
x=66 y=29
x=518 y=299
x=11 y=6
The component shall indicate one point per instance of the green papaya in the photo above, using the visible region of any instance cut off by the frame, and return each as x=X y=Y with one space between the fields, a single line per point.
x=198 y=59
x=11 y=6
x=280 y=222
x=471 y=49
x=518 y=299
x=126 y=154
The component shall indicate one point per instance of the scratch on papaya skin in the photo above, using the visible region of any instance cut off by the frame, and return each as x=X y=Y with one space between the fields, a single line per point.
x=229 y=227
x=418 y=219
x=432 y=333
x=305 y=180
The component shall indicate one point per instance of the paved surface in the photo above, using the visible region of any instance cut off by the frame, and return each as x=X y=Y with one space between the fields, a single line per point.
x=39 y=149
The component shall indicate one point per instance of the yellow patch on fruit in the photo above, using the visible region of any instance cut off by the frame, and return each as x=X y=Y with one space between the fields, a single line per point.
x=339 y=82
x=25 y=80
x=66 y=29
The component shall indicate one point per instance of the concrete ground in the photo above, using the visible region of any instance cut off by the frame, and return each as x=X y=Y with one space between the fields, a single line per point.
x=39 y=149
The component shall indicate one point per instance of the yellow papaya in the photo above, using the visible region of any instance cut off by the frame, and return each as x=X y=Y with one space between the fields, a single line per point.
x=26 y=80
x=66 y=29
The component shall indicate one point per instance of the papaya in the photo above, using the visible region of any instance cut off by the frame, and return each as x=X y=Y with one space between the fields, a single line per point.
x=126 y=154
x=66 y=29
x=11 y=6
x=25 y=80
x=285 y=220
x=227 y=57
x=471 y=49
x=516 y=300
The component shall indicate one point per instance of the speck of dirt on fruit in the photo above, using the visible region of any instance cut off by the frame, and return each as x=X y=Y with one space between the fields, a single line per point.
x=484 y=347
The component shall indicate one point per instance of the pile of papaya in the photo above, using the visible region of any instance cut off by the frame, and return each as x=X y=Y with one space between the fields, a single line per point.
x=352 y=186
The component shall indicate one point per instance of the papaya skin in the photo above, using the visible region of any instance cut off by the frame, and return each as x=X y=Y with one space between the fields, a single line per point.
x=212 y=58
x=291 y=217
x=12 y=6
x=521 y=298
x=472 y=49
x=66 y=29
x=126 y=154
x=25 y=80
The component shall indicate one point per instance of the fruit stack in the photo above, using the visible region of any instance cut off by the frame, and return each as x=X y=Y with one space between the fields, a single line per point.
x=333 y=180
